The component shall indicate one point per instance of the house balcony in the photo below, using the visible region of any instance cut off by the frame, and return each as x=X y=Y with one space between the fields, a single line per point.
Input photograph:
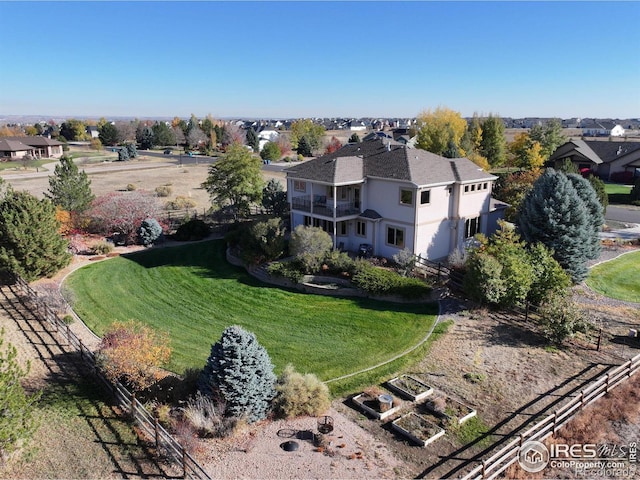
x=320 y=206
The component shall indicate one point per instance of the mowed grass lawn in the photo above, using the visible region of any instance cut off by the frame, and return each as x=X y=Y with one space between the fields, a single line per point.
x=619 y=278
x=193 y=293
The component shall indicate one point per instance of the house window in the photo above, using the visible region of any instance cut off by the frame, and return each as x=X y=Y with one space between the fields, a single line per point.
x=406 y=197
x=485 y=186
x=473 y=188
x=466 y=188
x=307 y=220
x=395 y=236
x=361 y=228
x=299 y=186
x=342 y=228
x=425 y=197
x=471 y=227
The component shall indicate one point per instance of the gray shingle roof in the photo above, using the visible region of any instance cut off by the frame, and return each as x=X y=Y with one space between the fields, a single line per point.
x=387 y=160
x=36 y=141
x=370 y=214
x=597 y=152
x=13 y=146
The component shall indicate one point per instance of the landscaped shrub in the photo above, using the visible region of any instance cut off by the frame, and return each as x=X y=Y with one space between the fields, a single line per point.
x=310 y=245
x=149 y=231
x=239 y=368
x=300 y=394
x=405 y=261
x=102 y=248
x=379 y=281
x=293 y=271
x=338 y=263
x=180 y=203
x=206 y=415
x=164 y=190
x=263 y=241
x=194 y=229
x=560 y=318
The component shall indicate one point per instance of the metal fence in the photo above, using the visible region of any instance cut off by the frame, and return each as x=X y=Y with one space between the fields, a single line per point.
x=165 y=444
x=496 y=464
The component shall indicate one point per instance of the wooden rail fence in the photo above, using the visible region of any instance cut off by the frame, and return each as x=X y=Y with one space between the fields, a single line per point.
x=165 y=444
x=496 y=464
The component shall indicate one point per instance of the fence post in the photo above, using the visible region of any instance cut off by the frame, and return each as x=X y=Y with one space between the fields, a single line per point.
x=599 y=338
x=157 y=435
x=133 y=404
x=484 y=468
x=581 y=399
x=526 y=312
x=184 y=463
x=607 y=384
x=68 y=334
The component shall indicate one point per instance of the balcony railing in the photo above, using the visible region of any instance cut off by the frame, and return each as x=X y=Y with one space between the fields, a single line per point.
x=325 y=208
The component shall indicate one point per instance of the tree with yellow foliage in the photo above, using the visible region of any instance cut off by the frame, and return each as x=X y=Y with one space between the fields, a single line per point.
x=133 y=353
x=440 y=131
x=525 y=152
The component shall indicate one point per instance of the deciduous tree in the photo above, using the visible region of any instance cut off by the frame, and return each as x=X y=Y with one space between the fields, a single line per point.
x=333 y=145
x=133 y=353
x=525 y=153
x=69 y=188
x=440 y=130
x=309 y=129
x=549 y=136
x=30 y=242
x=122 y=213
x=235 y=180
x=270 y=151
x=239 y=369
x=493 y=143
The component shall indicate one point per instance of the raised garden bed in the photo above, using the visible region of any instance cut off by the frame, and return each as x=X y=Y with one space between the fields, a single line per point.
x=443 y=406
x=417 y=429
x=375 y=406
x=410 y=387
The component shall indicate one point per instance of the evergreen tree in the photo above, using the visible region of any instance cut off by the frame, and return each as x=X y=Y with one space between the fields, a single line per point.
x=304 y=147
x=252 y=140
x=274 y=198
x=554 y=214
x=123 y=154
x=452 y=150
x=240 y=370
x=30 y=244
x=493 y=143
x=163 y=134
x=132 y=151
x=601 y=192
x=146 y=139
x=355 y=138
x=149 y=231
x=17 y=422
x=108 y=133
x=69 y=188
x=594 y=209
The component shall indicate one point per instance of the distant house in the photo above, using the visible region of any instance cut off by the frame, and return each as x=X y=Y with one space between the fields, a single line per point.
x=11 y=149
x=601 y=129
x=391 y=197
x=266 y=136
x=93 y=131
x=357 y=126
x=604 y=159
x=42 y=147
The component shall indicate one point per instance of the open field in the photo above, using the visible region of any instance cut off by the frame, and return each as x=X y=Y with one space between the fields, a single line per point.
x=193 y=293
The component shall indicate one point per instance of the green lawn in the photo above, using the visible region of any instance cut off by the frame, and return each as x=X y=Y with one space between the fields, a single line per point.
x=617 y=189
x=194 y=294
x=619 y=278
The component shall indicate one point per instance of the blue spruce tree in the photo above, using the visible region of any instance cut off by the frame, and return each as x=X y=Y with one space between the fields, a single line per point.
x=239 y=368
x=554 y=214
x=595 y=209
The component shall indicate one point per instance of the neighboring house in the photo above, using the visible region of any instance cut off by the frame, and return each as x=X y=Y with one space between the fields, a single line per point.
x=392 y=197
x=93 y=131
x=357 y=126
x=602 y=129
x=14 y=150
x=42 y=147
x=604 y=159
x=266 y=136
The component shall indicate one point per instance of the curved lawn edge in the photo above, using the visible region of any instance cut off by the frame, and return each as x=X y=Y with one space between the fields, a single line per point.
x=400 y=355
x=592 y=284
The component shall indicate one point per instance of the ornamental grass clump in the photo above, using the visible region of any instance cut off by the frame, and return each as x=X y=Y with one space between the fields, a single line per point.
x=299 y=394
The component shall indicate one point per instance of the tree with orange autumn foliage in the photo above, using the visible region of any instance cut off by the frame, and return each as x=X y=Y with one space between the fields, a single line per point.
x=133 y=353
x=64 y=219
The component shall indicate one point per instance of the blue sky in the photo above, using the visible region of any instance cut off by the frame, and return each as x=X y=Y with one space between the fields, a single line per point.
x=320 y=59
